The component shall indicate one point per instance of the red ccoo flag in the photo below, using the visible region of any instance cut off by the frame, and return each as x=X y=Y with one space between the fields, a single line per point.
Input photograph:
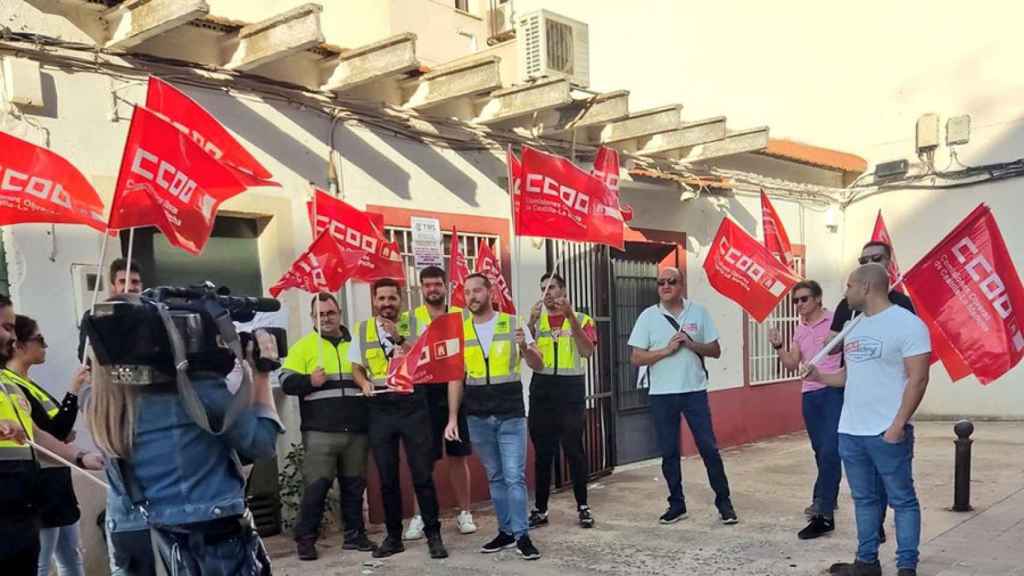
x=323 y=267
x=969 y=293
x=775 y=238
x=437 y=356
x=457 y=271
x=881 y=234
x=188 y=116
x=488 y=265
x=37 y=185
x=743 y=270
x=354 y=229
x=559 y=200
x=606 y=169
x=168 y=181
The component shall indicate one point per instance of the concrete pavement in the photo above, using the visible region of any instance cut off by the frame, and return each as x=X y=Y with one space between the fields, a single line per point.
x=771 y=483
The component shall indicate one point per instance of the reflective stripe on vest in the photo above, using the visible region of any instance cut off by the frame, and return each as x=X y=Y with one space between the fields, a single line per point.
x=375 y=360
x=501 y=363
x=414 y=324
x=15 y=407
x=561 y=356
x=45 y=400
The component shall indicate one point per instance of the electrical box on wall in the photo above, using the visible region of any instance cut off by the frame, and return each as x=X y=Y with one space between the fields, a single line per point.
x=958 y=130
x=927 y=133
x=23 y=82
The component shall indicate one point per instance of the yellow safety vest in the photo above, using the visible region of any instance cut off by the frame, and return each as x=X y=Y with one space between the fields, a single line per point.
x=30 y=387
x=412 y=325
x=501 y=363
x=304 y=357
x=560 y=353
x=15 y=407
x=375 y=360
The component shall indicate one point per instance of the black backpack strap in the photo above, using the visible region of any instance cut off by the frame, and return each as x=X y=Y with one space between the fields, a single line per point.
x=677 y=328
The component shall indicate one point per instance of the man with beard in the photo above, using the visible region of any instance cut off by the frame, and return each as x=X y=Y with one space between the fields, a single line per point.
x=434 y=289
x=495 y=411
x=395 y=416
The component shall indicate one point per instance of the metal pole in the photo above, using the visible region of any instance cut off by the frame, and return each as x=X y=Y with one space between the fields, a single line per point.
x=962 y=465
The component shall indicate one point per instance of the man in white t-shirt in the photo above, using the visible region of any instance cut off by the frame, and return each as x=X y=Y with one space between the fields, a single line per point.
x=887 y=357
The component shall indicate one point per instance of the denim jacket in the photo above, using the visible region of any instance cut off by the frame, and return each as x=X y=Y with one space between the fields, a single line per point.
x=187 y=474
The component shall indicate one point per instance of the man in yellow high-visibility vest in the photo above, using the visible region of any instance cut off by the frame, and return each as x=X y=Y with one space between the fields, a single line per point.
x=557 y=395
x=495 y=412
x=434 y=289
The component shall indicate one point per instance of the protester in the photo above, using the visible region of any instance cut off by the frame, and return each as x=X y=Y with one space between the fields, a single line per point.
x=334 y=424
x=887 y=358
x=495 y=411
x=822 y=404
x=670 y=340
x=557 y=395
x=20 y=498
x=188 y=478
x=395 y=417
x=874 y=252
x=59 y=534
x=125 y=281
x=433 y=289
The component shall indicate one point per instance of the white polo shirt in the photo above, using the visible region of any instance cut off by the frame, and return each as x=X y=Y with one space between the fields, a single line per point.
x=680 y=372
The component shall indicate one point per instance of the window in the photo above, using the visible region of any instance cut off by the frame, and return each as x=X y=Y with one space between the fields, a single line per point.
x=467 y=243
x=462 y=5
x=763 y=364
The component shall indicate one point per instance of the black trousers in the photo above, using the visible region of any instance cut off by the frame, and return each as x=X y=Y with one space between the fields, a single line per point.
x=556 y=417
x=19 y=553
x=133 y=552
x=406 y=420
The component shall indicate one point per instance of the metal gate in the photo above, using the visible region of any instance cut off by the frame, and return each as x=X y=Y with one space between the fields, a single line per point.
x=587 y=272
x=636 y=288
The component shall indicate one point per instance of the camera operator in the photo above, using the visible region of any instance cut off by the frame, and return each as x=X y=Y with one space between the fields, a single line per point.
x=185 y=476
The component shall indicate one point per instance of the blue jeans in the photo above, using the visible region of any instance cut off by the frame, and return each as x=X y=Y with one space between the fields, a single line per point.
x=666 y=410
x=500 y=443
x=822 y=409
x=867 y=458
x=62 y=542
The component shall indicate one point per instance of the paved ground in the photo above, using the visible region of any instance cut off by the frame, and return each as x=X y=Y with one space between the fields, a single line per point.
x=771 y=484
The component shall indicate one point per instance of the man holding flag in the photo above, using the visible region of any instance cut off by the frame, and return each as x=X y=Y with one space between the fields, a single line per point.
x=670 y=340
x=495 y=343
x=333 y=410
x=887 y=358
x=395 y=416
x=434 y=288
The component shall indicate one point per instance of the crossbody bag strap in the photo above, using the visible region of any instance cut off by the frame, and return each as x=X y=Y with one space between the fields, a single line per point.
x=677 y=328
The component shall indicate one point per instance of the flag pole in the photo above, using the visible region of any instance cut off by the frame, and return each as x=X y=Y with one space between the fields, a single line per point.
x=95 y=291
x=515 y=233
x=128 y=262
x=846 y=330
x=316 y=301
x=84 y=472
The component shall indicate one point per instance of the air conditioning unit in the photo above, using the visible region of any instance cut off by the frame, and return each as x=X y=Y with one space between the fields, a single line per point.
x=551 y=45
x=501 y=18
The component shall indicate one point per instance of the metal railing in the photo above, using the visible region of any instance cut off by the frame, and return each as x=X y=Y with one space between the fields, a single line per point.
x=763 y=364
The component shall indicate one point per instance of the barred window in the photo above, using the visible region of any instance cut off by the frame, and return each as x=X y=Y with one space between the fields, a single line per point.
x=763 y=364
x=467 y=242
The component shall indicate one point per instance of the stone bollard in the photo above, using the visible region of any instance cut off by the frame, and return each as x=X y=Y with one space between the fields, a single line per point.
x=962 y=465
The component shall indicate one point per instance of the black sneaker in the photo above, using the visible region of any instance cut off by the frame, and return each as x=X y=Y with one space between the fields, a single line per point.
x=906 y=572
x=728 y=516
x=857 y=568
x=819 y=526
x=359 y=542
x=436 y=546
x=501 y=542
x=526 y=549
x=306 y=549
x=673 y=515
x=389 y=547
x=586 y=519
x=538 y=518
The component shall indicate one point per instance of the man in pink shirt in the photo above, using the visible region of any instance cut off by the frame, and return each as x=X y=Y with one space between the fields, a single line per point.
x=822 y=405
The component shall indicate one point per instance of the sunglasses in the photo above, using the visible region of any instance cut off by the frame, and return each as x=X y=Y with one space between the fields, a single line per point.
x=876 y=259
x=669 y=281
x=801 y=299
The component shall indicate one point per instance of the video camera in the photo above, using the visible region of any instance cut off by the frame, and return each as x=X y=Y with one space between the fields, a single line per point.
x=145 y=338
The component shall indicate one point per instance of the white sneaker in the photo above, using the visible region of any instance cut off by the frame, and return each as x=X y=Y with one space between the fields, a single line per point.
x=465 y=522
x=415 y=529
